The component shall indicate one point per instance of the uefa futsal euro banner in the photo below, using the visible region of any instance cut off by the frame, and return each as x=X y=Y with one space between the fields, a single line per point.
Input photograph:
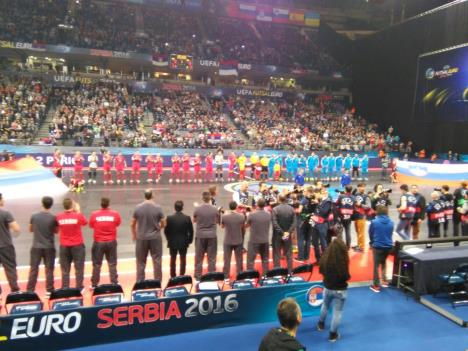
x=431 y=173
x=55 y=330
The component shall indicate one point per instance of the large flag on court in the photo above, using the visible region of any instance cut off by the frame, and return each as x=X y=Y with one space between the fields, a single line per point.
x=26 y=178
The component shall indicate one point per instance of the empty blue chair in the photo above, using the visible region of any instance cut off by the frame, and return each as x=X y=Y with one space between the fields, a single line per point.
x=177 y=286
x=246 y=280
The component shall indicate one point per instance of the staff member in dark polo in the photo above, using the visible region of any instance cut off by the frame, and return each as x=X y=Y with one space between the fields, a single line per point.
x=7 y=250
x=206 y=217
x=147 y=222
x=43 y=225
x=234 y=223
x=259 y=222
x=72 y=248
x=179 y=235
x=105 y=223
x=284 y=223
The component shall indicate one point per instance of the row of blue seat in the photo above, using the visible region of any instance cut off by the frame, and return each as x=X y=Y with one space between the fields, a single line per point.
x=106 y=294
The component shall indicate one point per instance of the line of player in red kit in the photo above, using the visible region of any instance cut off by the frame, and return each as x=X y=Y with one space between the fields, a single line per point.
x=184 y=168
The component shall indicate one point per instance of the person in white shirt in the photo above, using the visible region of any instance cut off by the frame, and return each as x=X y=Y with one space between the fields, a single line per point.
x=92 y=170
x=219 y=162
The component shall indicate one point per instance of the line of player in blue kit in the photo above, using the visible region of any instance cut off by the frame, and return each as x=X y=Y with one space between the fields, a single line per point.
x=328 y=168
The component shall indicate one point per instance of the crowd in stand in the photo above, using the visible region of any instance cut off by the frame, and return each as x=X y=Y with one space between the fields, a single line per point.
x=169 y=31
x=105 y=111
x=110 y=114
x=161 y=31
x=105 y=26
x=301 y=126
x=23 y=105
x=190 y=121
x=31 y=20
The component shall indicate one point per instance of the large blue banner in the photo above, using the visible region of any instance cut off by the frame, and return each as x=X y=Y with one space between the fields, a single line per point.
x=55 y=330
x=442 y=86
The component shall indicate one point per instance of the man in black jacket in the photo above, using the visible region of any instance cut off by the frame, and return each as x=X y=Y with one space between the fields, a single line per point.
x=459 y=199
x=420 y=214
x=179 y=235
x=284 y=223
x=284 y=338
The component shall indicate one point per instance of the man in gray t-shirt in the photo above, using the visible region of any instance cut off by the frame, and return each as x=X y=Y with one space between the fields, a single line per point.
x=44 y=226
x=147 y=222
x=206 y=218
x=7 y=250
x=233 y=222
x=259 y=222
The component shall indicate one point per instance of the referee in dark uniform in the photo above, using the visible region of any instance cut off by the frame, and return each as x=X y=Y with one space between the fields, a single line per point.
x=7 y=250
x=44 y=226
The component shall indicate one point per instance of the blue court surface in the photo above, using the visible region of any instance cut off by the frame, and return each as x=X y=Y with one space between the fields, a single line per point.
x=377 y=322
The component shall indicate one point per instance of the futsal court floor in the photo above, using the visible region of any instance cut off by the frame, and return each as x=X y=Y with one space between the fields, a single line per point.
x=124 y=199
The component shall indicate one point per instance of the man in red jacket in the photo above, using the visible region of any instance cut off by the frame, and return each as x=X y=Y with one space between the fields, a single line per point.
x=72 y=247
x=104 y=222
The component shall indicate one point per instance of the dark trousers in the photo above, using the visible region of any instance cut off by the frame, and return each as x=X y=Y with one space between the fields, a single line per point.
x=347 y=229
x=208 y=246
x=465 y=229
x=355 y=172
x=75 y=254
x=8 y=260
x=456 y=224
x=433 y=229
x=280 y=247
x=183 y=260
x=319 y=239
x=258 y=249
x=303 y=241
x=98 y=251
x=92 y=174
x=380 y=259
x=37 y=255
x=446 y=228
x=228 y=249
x=154 y=248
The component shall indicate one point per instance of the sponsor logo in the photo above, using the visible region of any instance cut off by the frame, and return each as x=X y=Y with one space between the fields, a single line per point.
x=445 y=72
x=120 y=54
x=209 y=63
x=138 y=314
x=244 y=66
x=72 y=80
x=32 y=327
x=259 y=92
x=314 y=296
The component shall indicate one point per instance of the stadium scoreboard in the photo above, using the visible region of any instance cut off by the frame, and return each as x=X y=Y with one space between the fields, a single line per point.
x=181 y=62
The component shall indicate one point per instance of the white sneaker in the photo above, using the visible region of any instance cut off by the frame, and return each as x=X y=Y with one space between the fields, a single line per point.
x=170 y=180
x=94 y=181
x=148 y=181
x=177 y=181
x=138 y=181
x=124 y=182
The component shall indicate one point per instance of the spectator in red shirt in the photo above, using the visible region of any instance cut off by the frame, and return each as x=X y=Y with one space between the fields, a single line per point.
x=105 y=223
x=72 y=247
